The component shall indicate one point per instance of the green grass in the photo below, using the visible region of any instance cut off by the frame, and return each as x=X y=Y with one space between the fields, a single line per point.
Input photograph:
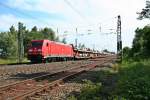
x=7 y=61
x=89 y=92
x=132 y=83
x=98 y=87
x=11 y=61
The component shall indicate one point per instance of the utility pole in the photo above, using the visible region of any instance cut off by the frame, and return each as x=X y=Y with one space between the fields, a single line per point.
x=76 y=40
x=20 y=43
x=100 y=28
x=57 y=32
x=119 y=41
x=93 y=46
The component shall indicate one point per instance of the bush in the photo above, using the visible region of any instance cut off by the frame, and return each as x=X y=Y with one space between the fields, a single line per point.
x=91 y=91
x=134 y=81
x=131 y=82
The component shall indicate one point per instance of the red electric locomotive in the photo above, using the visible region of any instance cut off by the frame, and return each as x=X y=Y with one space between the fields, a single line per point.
x=46 y=50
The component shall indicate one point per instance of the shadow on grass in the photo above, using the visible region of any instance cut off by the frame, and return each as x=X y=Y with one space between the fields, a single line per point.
x=132 y=82
x=98 y=85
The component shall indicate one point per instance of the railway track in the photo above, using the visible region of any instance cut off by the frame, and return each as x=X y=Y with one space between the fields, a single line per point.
x=36 y=68
x=29 y=87
x=20 y=73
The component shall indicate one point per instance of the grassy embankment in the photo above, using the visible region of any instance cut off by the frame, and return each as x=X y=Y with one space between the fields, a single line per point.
x=130 y=82
x=11 y=61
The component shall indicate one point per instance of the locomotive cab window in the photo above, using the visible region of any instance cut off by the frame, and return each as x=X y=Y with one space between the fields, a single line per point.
x=36 y=44
x=47 y=44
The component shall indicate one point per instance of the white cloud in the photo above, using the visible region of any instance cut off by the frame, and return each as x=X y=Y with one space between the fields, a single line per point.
x=97 y=12
x=8 y=19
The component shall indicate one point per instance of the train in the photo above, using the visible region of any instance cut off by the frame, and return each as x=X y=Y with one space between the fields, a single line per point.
x=49 y=51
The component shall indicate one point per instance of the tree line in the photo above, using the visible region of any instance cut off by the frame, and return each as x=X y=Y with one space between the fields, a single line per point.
x=141 y=42
x=140 y=46
x=9 y=39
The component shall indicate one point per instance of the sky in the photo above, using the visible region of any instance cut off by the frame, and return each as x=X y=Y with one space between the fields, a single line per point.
x=95 y=20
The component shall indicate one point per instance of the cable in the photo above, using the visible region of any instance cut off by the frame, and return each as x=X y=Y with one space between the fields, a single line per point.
x=75 y=10
x=39 y=20
x=82 y=16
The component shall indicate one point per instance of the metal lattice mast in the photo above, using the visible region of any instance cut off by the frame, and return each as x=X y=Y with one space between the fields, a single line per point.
x=119 y=40
x=76 y=40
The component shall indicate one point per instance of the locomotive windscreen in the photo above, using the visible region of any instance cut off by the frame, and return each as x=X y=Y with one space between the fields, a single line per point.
x=37 y=44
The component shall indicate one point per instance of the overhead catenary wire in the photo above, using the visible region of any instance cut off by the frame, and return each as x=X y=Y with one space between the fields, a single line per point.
x=39 y=20
x=82 y=16
x=76 y=11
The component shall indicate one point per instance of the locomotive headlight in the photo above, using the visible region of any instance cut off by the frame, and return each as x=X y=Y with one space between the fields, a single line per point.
x=39 y=50
x=30 y=50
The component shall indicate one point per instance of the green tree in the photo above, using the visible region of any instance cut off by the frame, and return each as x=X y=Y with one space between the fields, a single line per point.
x=13 y=40
x=9 y=40
x=141 y=43
x=126 y=52
x=4 y=45
x=145 y=13
x=48 y=33
x=8 y=43
x=34 y=29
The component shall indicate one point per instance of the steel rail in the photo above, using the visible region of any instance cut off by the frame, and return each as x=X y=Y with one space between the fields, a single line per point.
x=72 y=72
x=27 y=80
x=56 y=82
